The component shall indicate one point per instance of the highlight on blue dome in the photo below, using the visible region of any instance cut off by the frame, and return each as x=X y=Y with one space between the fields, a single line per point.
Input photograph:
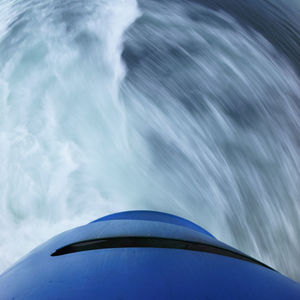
x=148 y=215
x=141 y=255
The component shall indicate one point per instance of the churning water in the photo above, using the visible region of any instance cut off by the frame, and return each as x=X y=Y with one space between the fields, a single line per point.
x=188 y=107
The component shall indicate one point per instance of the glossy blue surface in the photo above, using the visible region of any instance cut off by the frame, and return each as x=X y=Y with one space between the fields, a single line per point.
x=140 y=273
x=147 y=215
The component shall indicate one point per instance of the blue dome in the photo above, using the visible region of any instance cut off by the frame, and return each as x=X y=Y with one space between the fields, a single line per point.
x=141 y=255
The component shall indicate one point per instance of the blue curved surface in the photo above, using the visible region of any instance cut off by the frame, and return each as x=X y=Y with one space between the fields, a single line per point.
x=139 y=273
x=148 y=215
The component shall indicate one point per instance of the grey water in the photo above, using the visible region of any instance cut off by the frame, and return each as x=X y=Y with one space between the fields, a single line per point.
x=187 y=107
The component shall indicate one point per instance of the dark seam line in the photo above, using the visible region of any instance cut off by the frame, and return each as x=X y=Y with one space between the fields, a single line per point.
x=150 y=242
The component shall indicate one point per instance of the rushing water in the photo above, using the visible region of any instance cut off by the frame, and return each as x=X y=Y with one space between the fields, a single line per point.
x=188 y=107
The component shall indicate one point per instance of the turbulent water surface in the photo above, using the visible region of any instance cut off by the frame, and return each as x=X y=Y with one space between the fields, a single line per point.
x=188 y=107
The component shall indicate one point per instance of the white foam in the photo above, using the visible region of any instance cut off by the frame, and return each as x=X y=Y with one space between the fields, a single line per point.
x=49 y=149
